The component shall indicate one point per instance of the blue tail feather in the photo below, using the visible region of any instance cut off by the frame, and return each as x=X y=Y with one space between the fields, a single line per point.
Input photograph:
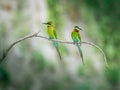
x=56 y=46
x=55 y=43
x=80 y=51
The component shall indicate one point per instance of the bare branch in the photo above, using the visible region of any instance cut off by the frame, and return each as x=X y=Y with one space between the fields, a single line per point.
x=13 y=44
x=60 y=41
x=66 y=42
x=104 y=56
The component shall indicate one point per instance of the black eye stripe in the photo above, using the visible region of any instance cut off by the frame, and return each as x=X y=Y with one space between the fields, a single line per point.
x=77 y=28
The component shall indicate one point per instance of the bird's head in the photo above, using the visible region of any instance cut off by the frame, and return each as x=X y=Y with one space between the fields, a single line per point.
x=78 y=28
x=48 y=23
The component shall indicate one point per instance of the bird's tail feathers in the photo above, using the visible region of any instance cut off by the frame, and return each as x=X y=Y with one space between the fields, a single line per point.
x=80 y=51
x=56 y=46
x=58 y=53
x=55 y=43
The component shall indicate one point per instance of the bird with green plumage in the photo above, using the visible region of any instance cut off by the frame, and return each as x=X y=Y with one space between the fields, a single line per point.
x=53 y=35
x=77 y=40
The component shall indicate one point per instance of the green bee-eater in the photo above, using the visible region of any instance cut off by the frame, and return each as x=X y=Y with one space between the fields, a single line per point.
x=53 y=35
x=77 y=39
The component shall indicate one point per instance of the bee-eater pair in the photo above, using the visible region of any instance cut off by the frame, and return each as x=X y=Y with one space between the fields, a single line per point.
x=75 y=36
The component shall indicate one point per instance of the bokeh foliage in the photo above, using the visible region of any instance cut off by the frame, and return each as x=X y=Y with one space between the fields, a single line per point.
x=102 y=18
x=55 y=11
x=107 y=15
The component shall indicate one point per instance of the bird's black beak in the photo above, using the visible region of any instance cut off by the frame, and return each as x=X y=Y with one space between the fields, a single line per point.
x=45 y=23
x=80 y=28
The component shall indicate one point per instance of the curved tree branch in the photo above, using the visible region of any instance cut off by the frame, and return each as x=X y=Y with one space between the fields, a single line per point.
x=104 y=56
x=66 y=42
x=5 y=53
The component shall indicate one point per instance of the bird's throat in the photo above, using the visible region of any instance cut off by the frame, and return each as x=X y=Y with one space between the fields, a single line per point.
x=76 y=30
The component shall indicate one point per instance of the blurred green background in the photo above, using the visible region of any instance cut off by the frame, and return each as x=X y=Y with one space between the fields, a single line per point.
x=34 y=65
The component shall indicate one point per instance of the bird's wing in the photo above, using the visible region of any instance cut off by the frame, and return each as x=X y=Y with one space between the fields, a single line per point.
x=79 y=37
x=72 y=35
x=55 y=34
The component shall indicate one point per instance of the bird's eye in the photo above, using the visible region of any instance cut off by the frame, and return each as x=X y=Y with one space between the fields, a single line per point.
x=49 y=23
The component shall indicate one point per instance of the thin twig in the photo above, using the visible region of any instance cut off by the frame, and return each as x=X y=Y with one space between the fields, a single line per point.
x=104 y=56
x=60 y=41
x=13 y=44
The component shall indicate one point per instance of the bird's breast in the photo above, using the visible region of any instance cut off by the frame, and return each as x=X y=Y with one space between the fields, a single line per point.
x=76 y=30
x=50 y=33
x=75 y=37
